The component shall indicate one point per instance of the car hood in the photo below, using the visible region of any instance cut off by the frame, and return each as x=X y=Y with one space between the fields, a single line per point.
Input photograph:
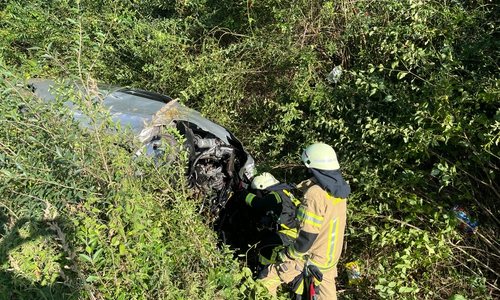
x=131 y=107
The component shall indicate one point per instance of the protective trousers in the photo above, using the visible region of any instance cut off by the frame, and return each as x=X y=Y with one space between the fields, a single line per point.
x=279 y=273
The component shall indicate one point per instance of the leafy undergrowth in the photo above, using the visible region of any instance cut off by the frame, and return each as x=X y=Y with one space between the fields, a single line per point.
x=77 y=222
x=414 y=117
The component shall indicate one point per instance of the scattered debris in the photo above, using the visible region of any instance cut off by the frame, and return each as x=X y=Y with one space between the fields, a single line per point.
x=334 y=75
x=465 y=222
x=353 y=272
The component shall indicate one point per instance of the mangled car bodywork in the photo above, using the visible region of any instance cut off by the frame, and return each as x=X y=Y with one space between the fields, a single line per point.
x=217 y=159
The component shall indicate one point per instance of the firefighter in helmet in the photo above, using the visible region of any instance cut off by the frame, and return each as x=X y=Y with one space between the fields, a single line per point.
x=321 y=223
x=273 y=200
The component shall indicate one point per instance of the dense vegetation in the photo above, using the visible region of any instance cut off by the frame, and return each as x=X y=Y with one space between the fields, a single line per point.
x=414 y=115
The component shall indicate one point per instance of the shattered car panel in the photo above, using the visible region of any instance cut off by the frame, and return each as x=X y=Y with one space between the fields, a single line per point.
x=217 y=159
x=138 y=108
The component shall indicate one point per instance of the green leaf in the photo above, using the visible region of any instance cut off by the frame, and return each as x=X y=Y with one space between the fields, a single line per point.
x=401 y=75
x=91 y=278
x=7 y=173
x=97 y=254
x=430 y=249
x=123 y=249
x=72 y=21
x=85 y=257
x=435 y=172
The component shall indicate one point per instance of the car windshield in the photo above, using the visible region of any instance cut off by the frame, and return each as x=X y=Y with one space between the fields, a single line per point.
x=146 y=94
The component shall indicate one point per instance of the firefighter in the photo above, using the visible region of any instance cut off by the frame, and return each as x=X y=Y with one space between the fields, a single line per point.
x=275 y=202
x=321 y=222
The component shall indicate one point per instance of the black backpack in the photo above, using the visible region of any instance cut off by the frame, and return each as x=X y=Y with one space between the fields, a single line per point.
x=288 y=216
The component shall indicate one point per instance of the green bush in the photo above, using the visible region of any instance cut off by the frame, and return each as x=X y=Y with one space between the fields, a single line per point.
x=77 y=221
x=414 y=117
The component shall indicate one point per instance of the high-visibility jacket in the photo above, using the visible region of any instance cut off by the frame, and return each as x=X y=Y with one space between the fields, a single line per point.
x=322 y=221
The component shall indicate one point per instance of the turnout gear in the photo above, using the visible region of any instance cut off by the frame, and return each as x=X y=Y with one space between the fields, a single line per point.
x=279 y=205
x=279 y=200
x=286 y=230
x=322 y=220
x=269 y=202
x=320 y=156
x=263 y=181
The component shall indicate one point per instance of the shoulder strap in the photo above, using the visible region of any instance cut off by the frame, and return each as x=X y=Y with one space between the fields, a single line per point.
x=289 y=212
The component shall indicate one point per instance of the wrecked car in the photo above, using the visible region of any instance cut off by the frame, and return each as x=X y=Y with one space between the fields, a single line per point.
x=217 y=162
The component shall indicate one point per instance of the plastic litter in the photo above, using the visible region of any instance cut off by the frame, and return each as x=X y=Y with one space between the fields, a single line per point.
x=353 y=272
x=334 y=75
x=465 y=221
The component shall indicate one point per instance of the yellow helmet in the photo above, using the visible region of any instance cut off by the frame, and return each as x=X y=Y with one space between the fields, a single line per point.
x=263 y=181
x=320 y=156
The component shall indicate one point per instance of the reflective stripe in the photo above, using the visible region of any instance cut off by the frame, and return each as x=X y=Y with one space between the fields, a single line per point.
x=294 y=253
x=309 y=218
x=274 y=255
x=249 y=198
x=277 y=196
x=300 y=288
x=332 y=246
x=334 y=199
x=289 y=232
x=265 y=261
x=334 y=233
x=323 y=269
x=271 y=282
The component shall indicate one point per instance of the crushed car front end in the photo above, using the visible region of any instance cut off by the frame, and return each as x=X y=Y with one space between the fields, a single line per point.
x=217 y=160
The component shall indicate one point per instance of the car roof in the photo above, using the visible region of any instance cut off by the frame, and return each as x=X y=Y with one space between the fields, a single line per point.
x=134 y=107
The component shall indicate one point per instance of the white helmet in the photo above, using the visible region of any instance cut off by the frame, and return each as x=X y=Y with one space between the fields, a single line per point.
x=263 y=181
x=320 y=156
